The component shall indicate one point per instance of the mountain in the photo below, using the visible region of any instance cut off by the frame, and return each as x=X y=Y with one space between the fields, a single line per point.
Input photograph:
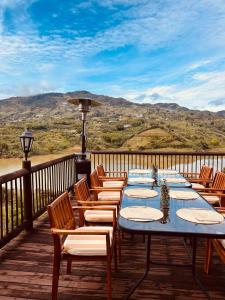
x=116 y=124
x=221 y=113
x=14 y=106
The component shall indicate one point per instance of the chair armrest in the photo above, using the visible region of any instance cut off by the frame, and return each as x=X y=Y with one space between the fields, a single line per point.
x=106 y=178
x=212 y=194
x=101 y=189
x=208 y=189
x=221 y=210
x=94 y=203
x=200 y=180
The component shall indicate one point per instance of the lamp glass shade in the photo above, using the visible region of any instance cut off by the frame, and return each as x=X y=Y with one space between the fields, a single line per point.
x=26 y=140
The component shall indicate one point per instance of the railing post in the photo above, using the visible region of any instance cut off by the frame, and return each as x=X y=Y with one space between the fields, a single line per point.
x=27 y=196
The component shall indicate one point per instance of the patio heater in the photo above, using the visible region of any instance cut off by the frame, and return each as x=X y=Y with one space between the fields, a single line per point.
x=83 y=165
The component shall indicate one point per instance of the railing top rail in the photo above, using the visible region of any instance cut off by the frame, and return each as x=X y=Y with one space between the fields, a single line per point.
x=198 y=153
x=22 y=172
x=14 y=175
x=51 y=163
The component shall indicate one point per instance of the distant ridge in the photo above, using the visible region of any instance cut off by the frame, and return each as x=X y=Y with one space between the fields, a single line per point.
x=53 y=100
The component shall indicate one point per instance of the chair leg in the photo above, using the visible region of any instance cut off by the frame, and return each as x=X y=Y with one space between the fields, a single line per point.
x=208 y=256
x=115 y=251
x=69 y=266
x=55 y=276
x=119 y=244
x=108 y=280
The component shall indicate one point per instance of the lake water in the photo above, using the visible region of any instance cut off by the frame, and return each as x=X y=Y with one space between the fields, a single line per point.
x=12 y=164
x=9 y=165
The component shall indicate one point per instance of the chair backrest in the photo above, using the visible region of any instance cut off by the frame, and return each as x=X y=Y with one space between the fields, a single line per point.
x=82 y=190
x=61 y=213
x=95 y=182
x=206 y=172
x=100 y=170
x=219 y=181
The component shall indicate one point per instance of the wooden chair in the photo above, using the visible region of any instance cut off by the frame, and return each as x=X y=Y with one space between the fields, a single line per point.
x=215 y=194
x=96 y=182
x=214 y=244
x=89 y=197
x=202 y=179
x=78 y=243
x=111 y=176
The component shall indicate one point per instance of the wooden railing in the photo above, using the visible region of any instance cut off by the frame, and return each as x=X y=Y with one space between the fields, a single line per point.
x=180 y=161
x=25 y=194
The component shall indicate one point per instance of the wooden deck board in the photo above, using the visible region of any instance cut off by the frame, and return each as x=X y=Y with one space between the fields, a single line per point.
x=26 y=268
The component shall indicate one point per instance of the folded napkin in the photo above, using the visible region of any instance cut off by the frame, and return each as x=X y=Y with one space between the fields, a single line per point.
x=185 y=195
x=140 y=193
x=164 y=171
x=141 y=180
x=141 y=213
x=175 y=180
x=140 y=171
x=200 y=215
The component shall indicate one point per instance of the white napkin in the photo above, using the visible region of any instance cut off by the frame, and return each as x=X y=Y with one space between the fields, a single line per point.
x=140 y=171
x=175 y=180
x=140 y=193
x=165 y=171
x=141 y=213
x=200 y=215
x=141 y=180
x=185 y=195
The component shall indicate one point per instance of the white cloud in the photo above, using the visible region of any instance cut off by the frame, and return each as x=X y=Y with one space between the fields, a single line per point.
x=203 y=95
x=199 y=64
x=151 y=24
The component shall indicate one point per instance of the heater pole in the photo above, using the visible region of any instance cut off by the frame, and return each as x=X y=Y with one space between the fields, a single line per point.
x=83 y=138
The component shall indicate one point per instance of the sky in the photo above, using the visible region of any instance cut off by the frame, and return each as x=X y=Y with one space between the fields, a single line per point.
x=145 y=51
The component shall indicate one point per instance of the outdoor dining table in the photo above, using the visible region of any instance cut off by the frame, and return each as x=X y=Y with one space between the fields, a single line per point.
x=169 y=225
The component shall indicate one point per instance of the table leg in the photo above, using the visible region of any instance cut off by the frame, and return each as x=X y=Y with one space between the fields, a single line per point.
x=194 y=247
x=147 y=267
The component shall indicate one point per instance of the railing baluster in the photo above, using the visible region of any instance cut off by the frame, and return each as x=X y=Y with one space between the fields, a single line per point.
x=1 y=210
x=16 y=199
x=12 y=199
x=6 y=208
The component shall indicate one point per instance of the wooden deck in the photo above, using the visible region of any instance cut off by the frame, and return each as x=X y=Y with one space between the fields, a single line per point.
x=26 y=267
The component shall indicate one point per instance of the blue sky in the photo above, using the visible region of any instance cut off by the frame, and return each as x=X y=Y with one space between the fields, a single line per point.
x=145 y=51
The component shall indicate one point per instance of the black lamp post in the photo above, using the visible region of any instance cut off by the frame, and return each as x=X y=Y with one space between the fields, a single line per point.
x=83 y=165
x=26 y=140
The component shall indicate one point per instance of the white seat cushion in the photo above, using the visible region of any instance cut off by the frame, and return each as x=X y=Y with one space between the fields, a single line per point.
x=108 y=195
x=197 y=185
x=98 y=215
x=212 y=199
x=222 y=243
x=87 y=245
x=113 y=183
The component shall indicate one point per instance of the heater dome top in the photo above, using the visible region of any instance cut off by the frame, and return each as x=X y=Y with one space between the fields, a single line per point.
x=84 y=103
